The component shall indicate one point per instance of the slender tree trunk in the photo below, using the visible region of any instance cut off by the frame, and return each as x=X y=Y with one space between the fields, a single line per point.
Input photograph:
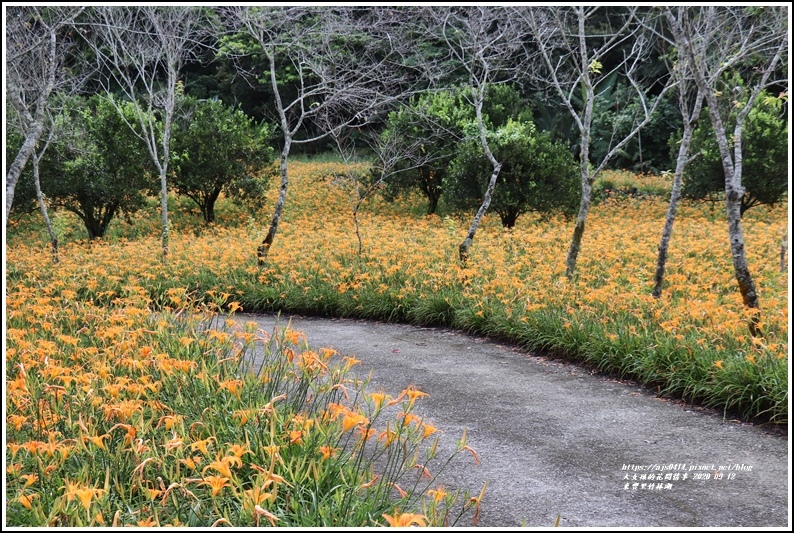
x=15 y=169
x=584 y=152
x=783 y=251
x=743 y=277
x=675 y=195
x=465 y=246
x=587 y=194
x=264 y=248
x=734 y=191
x=164 y=209
x=43 y=207
x=578 y=230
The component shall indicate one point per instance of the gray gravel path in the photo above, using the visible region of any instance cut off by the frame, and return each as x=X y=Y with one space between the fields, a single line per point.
x=554 y=438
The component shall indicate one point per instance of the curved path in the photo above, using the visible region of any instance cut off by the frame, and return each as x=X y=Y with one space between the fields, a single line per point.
x=553 y=438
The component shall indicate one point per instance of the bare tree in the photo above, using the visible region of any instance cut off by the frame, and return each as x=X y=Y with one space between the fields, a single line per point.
x=572 y=52
x=394 y=154
x=141 y=51
x=715 y=40
x=346 y=65
x=485 y=44
x=37 y=47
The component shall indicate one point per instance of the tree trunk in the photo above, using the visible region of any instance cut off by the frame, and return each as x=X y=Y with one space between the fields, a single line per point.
x=43 y=207
x=15 y=169
x=743 y=277
x=578 y=230
x=208 y=206
x=584 y=152
x=432 y=203
x=675 y=195
x=587 y=190
x=264 y=248
x=463 y=248
x=96 y=222
x=164 y=210
x=783 y=251
x=509 y=218
x=734 y=191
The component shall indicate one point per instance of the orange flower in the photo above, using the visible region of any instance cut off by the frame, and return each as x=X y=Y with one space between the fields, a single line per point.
x=295 y=436
x=437 y=494
x=351 y=420
x=221 y=466
x=175 y=442
x=97 y=440
x=328 y=451
x=414 y=394
x=254 y=497
x=30 y=479
x=238 y=450
x=379 y=398
x=216 y=483
x=86 y=495
x=27 y=500
x=405 y=519
x=201 y=445
x=428 y=430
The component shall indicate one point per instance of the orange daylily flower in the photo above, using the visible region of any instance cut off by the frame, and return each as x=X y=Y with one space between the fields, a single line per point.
x=238 y=450
x=328 y=451
x=405 y=519
x=201 y=445
x=97 y=440
x=27 y=500
x=175 y=442
x=428 y=430
x=216 y=483
x=255 y=496
x=30 y=479
x=437 y=494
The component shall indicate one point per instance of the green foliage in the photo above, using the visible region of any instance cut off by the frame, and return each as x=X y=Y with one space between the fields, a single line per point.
x=98 y=168
x=219 y=149
x=615 y=114
x=536 y=175
x=764 y=154
x=425 y=136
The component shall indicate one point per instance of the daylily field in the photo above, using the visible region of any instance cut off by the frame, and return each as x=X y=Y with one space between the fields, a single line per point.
x=131 y=401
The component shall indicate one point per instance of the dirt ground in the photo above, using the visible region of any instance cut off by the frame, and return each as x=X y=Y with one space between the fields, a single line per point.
x=554 y=438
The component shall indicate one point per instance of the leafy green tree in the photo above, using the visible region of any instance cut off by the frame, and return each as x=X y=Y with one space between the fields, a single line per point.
x=100 y=169
x=537 y=174
x=427 y=133
x=217 y=149
x=423 y=137
x=764 y=156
